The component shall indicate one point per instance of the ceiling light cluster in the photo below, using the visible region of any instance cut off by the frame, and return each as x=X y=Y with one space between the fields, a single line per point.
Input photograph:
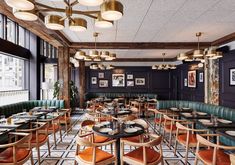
x=163 y=65
x=95 y=55
x=200 y=55
x=110 y=10
x=96 y=66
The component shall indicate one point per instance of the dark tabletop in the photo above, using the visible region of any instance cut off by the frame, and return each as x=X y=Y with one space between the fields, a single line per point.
x=121 y=133
x=223 y=133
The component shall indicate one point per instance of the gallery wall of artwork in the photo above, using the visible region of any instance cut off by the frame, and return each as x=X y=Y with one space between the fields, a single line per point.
x=130 y=79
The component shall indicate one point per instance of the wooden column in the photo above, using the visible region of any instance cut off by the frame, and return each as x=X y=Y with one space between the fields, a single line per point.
x=64 y=75
x=82 y=86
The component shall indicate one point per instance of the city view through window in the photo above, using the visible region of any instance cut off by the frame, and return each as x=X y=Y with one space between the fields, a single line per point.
x=11 y=73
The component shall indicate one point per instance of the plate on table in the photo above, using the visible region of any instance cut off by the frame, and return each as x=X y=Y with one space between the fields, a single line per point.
x=19 y=121
x=105 y=130
x=105 y=123
x=130 y=122
x=174 y=109
x=130 y=130
x=224 y=121
x=202 y=113
x=232 y=133
x=4 y=130
x=187 y=114
x=185 y=108
x=138 y=128
x=204 y=121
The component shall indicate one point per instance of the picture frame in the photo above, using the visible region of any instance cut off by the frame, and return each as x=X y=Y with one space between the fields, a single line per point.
x=93 y=80
x=101 y=74
x=192 y=79
x=232 y=76
x=130 y=83
x=103 y=83
x=118 y=80
x=139 y=81
x=201 y=77
x=129 y=77
x=185 y=82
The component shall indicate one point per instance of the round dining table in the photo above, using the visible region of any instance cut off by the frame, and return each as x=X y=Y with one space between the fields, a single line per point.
x=118 y=132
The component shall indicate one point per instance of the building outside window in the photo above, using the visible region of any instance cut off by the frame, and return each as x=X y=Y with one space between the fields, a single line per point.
x=11 y=31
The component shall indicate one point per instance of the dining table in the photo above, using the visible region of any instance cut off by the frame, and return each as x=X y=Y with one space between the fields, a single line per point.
x=117 y=130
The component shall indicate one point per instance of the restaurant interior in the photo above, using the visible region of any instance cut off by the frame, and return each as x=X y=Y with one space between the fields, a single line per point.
x=123 y=82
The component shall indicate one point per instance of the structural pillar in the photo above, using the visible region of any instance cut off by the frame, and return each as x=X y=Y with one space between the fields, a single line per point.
x=82 y=87
x=64 y=75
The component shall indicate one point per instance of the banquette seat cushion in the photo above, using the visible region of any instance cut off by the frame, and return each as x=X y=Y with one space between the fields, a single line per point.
x=10 y=109
x=219 y=111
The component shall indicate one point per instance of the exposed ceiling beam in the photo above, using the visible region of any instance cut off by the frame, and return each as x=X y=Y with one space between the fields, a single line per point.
x=37 y=27
x=139 y=45
x=224 y=40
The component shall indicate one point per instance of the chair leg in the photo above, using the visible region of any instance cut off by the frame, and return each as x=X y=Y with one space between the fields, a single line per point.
x=175 y=148
x=38 y=151
x=196 y=160
x=75 y=162
x=186 y=154
x=54 y=135
x=60 y=135
x=48 y=146
x=170 y=140
x=31 y=159
x=162 y=162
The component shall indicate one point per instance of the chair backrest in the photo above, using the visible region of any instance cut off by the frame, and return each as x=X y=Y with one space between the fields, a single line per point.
x=87 y=122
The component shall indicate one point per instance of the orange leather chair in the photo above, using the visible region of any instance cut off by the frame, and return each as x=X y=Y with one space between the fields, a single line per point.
x=39 y=131
x=91 y=154
x=187 y=138
x=14 y=153
x=214 y=153
x=145 y=154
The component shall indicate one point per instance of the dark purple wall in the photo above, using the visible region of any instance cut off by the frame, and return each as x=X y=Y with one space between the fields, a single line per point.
x=158 y=82
x=181 y=92
x=227 y=92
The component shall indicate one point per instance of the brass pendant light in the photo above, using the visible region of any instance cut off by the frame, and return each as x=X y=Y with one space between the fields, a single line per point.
x=111 y=10
x=54 y=22
x=94 y=53
x=21 y=4
x=78 y=24
x=198 y=52
x=102 y=23
x=26 y=15
x=91 y=2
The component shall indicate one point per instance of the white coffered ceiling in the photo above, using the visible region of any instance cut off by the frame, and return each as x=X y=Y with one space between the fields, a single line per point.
x=161 y=21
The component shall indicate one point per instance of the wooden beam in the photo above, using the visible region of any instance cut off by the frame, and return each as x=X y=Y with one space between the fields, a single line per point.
x=139 y=45
x=36 y=27
x=224 y=40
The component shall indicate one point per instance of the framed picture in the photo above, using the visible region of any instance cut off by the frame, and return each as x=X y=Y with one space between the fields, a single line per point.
x=93 y=80
x=129 y=77
x=232 y=76
x=185 y=82
x=201 y=77
x=140 y=81
x=130 y=83
x=101 y=75
x=118 y=80
x=192 y=79
x=103 y=83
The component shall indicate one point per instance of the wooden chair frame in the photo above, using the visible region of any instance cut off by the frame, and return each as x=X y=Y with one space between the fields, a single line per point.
x=25 y=139
x=154 y=141
x=42 y=128
x=83 y=141
x=206 y=142
x=188 y=131
x=67 y=119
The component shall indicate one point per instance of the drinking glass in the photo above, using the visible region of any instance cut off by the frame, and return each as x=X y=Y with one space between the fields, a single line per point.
x=3 y=118
x=24 y=110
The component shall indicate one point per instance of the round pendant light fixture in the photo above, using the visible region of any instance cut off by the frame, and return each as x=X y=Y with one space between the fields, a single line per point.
x=104 y=54
x=78 y=24
x=80 y=55
x=91 y=2
x=163 y=66
x=29 y=15
x=21 y=4
x=54 y=22
x=102 y=23
x=198 y=52
x=111 y=10
x=182 y=56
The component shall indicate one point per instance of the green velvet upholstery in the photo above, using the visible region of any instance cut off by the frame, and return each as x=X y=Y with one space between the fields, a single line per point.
x=91 y=95
x=10 y=109
x=220 y=111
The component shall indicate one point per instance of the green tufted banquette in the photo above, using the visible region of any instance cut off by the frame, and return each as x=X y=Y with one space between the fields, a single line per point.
x=220 y=111
x=10 y=109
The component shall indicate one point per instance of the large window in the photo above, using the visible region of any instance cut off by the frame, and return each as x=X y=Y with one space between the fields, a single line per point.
x=1 y=26
x=21 y=36
x=12 y=73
